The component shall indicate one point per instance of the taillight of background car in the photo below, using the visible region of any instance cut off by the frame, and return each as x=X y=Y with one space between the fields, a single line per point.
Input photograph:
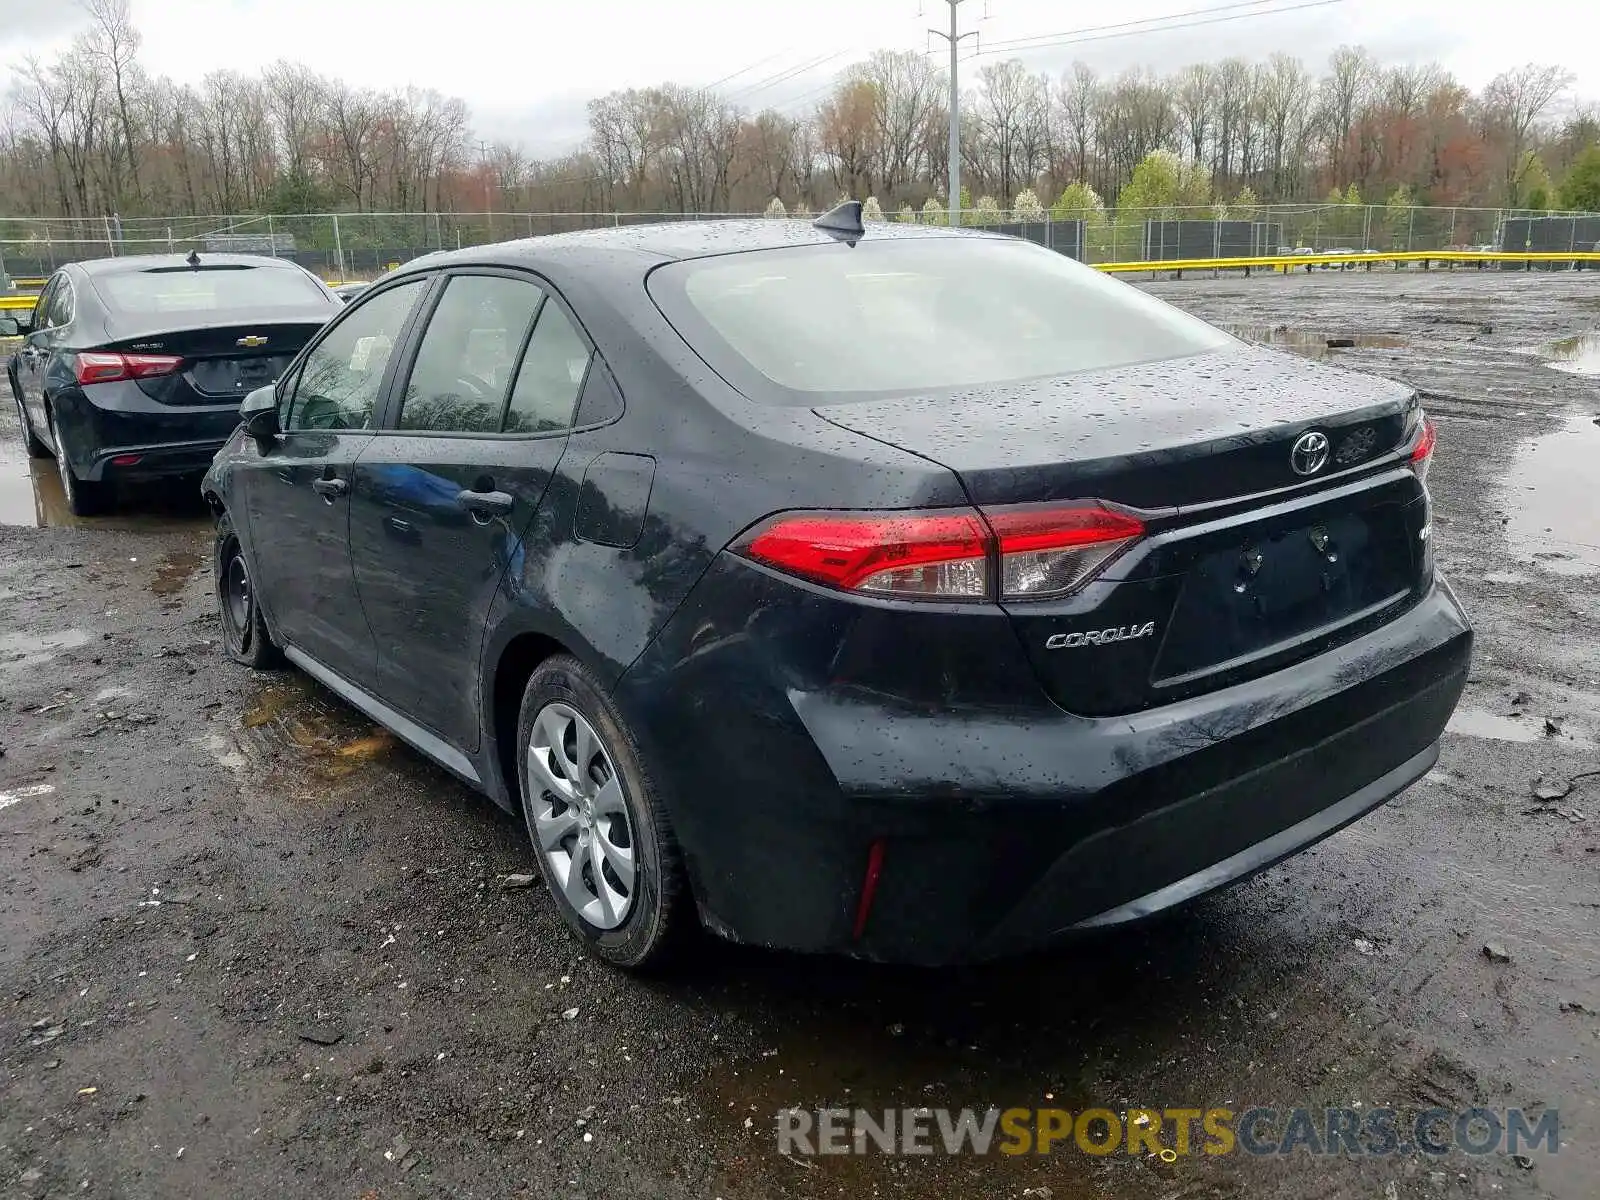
x=101 y=367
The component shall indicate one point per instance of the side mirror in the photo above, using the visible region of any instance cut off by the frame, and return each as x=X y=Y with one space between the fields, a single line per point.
x=9 y=327
x=260 y=413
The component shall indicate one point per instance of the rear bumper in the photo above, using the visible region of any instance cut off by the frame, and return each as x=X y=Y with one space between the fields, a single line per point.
x=1003 y=830
x=114 y=420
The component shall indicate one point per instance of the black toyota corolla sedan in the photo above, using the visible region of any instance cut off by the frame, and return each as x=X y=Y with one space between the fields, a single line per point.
x=133 y=368
x=911 y=593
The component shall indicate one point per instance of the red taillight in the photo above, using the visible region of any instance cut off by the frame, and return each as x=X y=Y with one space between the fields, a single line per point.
x=948 y=554
x=1051 y=549
x=108 y=368
x=933 y=555
x=1422 y=452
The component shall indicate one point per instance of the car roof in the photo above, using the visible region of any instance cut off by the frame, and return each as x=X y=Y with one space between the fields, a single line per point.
x=671 y=241
x=145 y=262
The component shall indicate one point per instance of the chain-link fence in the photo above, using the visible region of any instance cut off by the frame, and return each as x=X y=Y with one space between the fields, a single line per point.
x=344 y=246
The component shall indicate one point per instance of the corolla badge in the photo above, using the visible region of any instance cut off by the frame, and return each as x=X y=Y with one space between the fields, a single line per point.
x=1309 y=453
x=1099 y=637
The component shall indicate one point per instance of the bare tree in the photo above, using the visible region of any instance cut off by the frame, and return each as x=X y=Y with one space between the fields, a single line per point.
x=1512 y=103
x=1196 y=95
x=113 y=43
x=1079 y=91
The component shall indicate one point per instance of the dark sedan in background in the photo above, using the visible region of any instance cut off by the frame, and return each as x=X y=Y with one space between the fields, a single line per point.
x=918 y=594
x=133 y=368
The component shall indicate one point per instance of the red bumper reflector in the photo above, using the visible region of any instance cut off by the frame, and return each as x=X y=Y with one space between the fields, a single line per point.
x=125 y=460
x=869 y=888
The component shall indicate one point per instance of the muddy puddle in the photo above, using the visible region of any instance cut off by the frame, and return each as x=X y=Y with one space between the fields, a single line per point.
x=1579 y=354
x=30 y=494
x=1475 y=722
x=1549 y=497
x=22 y=651
x=333 y=739
x=1313 y=343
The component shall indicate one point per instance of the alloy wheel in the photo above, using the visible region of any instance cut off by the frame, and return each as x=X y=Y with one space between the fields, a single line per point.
x=580 y=816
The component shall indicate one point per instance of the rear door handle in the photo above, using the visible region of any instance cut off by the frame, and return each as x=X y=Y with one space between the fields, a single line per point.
x=330 y=489
x=483 y=505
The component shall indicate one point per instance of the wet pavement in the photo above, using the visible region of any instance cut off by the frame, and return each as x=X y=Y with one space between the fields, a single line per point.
x=253 y=947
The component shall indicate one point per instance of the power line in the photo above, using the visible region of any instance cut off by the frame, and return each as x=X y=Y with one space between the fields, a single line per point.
x=1094 y=35
x=761 y=62
x=1193 y=12
x=770 y=81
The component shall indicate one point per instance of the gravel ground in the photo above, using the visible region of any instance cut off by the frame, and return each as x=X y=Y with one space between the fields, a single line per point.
x=252 y=947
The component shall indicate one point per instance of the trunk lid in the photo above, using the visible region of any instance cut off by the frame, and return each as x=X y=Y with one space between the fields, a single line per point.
x=221 y=362
x=1154 y=435
x=1245 y=566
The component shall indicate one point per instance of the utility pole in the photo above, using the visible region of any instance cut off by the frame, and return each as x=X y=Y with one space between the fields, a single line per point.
x=488 y=201
x=954 y=38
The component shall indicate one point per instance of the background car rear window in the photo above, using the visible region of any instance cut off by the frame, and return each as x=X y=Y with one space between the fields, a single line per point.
x=210 y=288
x=916 y=314
x=463 y=368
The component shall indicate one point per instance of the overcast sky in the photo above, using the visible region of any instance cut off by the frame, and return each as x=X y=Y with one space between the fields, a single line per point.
x=526 y=67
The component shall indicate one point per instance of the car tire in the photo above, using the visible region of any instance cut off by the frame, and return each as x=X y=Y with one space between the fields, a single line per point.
x=85 y=497
x=591 y=826
x=244 y=630
x=30 y=440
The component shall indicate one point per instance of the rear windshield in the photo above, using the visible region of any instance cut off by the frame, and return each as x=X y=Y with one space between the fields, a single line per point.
x=209 y=288
x=896 y=316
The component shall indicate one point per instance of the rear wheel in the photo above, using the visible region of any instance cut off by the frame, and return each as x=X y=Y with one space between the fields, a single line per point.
x=594 y=813
x=85 y=497
x=30 y=440
x=244 y=631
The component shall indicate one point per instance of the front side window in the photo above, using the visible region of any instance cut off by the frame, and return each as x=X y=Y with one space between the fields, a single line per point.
x=893 y=316
x=468 y=355
x=339 y=383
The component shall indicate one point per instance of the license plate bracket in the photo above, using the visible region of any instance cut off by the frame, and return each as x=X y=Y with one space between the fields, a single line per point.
x=1271 y=589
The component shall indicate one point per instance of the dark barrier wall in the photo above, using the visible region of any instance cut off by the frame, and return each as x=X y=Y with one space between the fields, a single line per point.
x=1064 y=237
x=1165 y=241
x=1550 y=235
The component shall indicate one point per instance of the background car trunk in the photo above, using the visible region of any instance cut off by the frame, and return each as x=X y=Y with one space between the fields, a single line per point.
x=218 y=363
x=1246 y=565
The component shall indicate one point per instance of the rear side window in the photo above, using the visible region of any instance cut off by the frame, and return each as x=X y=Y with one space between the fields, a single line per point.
x=61 y=303
x=465 y=364
x=185 y=289
x=551 y=376
x=924 y=314
x=339 y=382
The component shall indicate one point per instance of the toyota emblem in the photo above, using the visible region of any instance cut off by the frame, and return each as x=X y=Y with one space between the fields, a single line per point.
x=1310 y=453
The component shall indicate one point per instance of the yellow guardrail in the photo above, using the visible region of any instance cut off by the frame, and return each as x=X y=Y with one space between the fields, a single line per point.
x=18 y=302
x=1288 y=262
